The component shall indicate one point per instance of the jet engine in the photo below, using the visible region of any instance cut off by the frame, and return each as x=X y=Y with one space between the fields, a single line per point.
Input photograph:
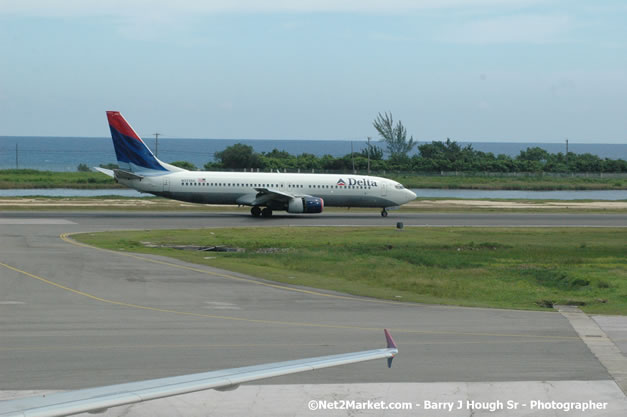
x=305 y=205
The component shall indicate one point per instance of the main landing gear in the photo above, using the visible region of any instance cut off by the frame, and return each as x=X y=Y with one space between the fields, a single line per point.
x=384 y=212
x=256 y=211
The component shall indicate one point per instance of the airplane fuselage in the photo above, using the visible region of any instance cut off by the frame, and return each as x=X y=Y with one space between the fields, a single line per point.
x=209 y=187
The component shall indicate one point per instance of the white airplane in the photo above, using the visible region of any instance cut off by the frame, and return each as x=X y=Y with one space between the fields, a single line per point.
x=264 y=192
x=98 y=400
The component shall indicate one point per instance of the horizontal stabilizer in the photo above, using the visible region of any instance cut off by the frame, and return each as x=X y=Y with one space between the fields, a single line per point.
x=119 y=173
x=105 y=171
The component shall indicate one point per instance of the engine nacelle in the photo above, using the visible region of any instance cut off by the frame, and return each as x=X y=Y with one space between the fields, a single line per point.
x=305 y=205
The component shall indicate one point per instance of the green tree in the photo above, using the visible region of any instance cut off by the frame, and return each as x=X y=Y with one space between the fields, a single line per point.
x=376 y=153
x=82 y=168
x=239 y=156
x=277 y=154
x=308 y=161
x=185 y=165
x=110 y=166
x=534 y=154
x=329 y=162
x=278 y=160
x=532 y=159
x=212 y=166
x=395 y=137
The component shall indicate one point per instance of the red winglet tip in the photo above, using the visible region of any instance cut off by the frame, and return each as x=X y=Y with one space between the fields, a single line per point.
x=390 y=341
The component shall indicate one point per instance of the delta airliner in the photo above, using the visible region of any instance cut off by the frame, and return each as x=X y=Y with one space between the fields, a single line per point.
x=264 y=192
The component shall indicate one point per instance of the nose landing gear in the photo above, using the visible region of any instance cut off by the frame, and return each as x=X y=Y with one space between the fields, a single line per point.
x=384 y=212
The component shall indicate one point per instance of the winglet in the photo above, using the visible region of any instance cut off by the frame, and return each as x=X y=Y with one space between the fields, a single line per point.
x=391 y=345
x=388 y=338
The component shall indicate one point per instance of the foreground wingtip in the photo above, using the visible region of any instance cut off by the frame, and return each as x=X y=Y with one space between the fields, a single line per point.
x=391 y=345
x=390 y=341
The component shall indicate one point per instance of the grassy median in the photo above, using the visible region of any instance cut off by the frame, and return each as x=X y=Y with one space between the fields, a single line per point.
x=504 y=182
x=522 y=268
x=31 y=178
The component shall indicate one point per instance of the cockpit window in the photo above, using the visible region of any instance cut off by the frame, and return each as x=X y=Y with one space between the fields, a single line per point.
x=399 y=187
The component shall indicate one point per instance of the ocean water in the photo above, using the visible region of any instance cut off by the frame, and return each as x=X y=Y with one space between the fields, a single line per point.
x=64 y=154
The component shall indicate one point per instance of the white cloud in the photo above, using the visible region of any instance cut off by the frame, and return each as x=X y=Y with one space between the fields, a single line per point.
x=510 y=29
x=390 y=37
x=185 y=7
x=150 y=19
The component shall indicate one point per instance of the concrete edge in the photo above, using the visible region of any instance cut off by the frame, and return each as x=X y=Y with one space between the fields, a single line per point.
x=598 y=342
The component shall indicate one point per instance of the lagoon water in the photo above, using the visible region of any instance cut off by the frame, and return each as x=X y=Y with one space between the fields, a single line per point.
x=609 y=195
x=64 y=154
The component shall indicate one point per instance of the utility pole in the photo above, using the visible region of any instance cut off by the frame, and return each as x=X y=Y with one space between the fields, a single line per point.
x=156 y=135
x=567 y=170
x=369 y=155
x=353 y=156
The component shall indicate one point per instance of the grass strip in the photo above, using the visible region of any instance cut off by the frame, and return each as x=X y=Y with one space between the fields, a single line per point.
x=30 y=178
x=503 y=182
x=520 y=268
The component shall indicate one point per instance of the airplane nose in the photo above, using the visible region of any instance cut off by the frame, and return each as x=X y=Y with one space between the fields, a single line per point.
x=410 y=195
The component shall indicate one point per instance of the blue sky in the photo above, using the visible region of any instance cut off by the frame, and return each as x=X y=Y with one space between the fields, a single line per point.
x=471 y=70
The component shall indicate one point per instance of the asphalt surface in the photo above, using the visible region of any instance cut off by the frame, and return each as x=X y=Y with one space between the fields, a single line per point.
x=137 y=219
x=73 y=316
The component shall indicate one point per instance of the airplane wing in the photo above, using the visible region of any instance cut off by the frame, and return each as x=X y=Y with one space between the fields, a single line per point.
x=97 y=400
x=264 y=195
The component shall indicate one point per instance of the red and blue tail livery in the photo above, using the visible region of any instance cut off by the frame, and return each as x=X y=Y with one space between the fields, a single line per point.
x=132 y=153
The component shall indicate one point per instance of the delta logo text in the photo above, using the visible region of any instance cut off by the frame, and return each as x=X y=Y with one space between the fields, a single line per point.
x=358 y=182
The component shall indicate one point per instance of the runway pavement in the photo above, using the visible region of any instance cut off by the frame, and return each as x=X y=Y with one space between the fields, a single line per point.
x=73 y=316
x=164 y=219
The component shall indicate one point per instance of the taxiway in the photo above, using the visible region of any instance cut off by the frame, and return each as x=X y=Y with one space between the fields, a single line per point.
x=73 y=316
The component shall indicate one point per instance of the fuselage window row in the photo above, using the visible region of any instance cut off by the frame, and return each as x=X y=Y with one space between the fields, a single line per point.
x=221 y=184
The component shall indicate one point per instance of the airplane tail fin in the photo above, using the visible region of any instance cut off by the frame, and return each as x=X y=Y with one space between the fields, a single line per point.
x=132 y=153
